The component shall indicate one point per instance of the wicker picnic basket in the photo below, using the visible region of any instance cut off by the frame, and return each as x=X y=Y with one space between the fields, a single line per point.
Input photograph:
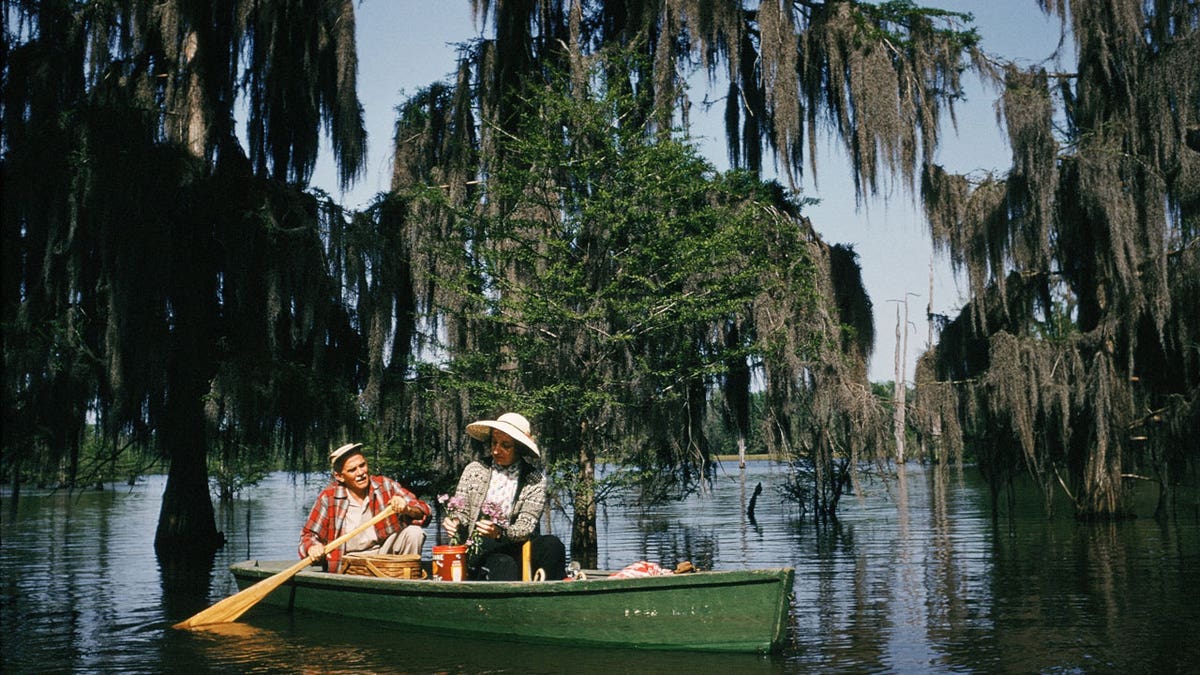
x=383 y=565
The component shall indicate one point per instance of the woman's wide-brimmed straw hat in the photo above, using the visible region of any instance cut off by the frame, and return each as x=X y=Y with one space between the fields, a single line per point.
x=513 y=424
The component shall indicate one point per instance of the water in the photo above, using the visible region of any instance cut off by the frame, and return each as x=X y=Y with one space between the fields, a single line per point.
x=915 y=577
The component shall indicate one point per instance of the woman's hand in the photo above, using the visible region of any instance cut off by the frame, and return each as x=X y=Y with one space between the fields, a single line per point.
x=488 y=529
x=450 y=525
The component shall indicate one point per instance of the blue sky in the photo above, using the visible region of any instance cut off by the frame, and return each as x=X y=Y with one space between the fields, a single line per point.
x=408 y=44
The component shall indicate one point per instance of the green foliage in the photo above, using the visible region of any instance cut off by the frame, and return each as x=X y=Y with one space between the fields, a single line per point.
x=1059 y=314
x=897 y=20
x=233 y=470
x=604 y=268
x=723 y=437
x=99 y=461
x=884 y=391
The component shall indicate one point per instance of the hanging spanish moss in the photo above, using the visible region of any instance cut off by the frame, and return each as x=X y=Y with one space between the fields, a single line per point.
x=606 y=281
x=1083 y=264
x=184 y=276
x=486 y=219
x=203 y=299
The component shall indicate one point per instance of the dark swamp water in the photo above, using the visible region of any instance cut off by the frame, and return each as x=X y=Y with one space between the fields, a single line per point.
x=916 y=576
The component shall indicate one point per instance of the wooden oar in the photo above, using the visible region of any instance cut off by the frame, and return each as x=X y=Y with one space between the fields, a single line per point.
x=235 y=605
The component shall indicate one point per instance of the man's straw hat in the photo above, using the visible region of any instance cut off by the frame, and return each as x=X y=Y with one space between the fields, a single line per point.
x=336 y=457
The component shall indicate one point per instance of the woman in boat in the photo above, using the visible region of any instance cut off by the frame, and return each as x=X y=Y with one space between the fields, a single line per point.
x=499 y=503
x=354 y=497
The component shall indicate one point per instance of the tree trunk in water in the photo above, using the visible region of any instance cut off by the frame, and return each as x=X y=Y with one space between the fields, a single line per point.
x=695 y=434
x=584 y=547
x=187 y=524
x=14 y=496
x=937 y=451
x=737 y=391
x=899 y=389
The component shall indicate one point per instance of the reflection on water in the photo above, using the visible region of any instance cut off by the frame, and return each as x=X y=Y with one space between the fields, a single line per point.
x=273 y=641
x=914 y=577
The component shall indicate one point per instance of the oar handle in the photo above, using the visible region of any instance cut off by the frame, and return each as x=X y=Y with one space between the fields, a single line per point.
x=332 y=546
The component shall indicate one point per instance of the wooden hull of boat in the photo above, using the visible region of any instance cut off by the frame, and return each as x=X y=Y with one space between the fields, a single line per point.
x=729 y=611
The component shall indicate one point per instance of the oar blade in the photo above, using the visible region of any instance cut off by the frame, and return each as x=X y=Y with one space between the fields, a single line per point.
x=236 y=605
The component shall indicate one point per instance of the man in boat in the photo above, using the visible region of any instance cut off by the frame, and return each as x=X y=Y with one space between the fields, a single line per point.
x=354 y=497
x=499 y=503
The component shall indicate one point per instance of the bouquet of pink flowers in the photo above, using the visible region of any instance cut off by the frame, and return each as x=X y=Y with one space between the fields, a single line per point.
x=489 y=511
x=457 y=506
x=495 y=513
x=454 y=506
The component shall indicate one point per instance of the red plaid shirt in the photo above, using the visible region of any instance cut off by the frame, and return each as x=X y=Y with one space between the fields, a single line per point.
x=328 y=516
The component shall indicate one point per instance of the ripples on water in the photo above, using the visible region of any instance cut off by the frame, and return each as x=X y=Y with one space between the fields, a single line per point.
x=914 y=577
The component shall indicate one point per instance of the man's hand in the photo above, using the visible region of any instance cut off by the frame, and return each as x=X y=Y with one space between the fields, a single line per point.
x=316 y=551
x=399 y=504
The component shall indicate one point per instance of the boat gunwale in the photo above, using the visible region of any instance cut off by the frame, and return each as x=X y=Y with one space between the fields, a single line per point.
x=701 y=579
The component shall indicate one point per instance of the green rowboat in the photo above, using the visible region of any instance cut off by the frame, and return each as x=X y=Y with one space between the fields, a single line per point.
x=727 y=611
